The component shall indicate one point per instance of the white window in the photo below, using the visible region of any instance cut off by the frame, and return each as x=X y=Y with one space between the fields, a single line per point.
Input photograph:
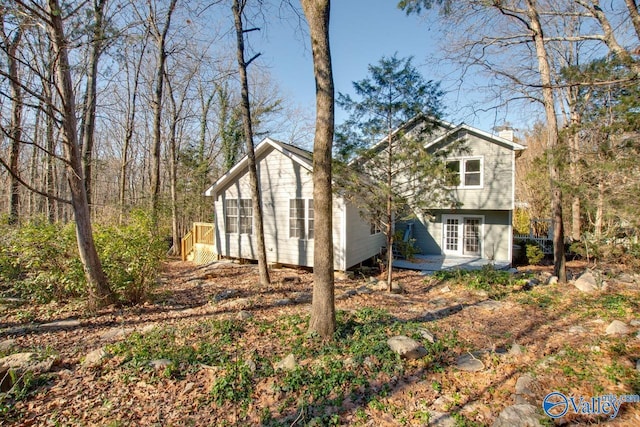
x=301 y=224
x=239 y=216
x=375 y=229
x=246 y=216
x=231 y=216
x=468 y=172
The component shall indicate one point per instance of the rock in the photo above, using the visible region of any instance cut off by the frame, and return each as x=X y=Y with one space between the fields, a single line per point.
x=516 y=350
x=427 y=335
x=61 y=324
x=524 y=384
x=372 y=280
x=290 y=279
x=343 y=275
x=635 y=323
x=523 y=415
x=301 y=296
x=396 y=287
x=363 y=290
x=586 y=282
x=251 y=365
x=490 y=305
x=469 y=363
x=617 y=328
x=94 y=358
x=553 y=280
x=148 y=328
x=406 y=347
x=381 y=285
x=115 y=334
x=441 y=419
x=188 y=387
x=244 y=315
x=347 y=294
x=443 y=403
x=226 y=294
x=18 y=360
x=577 y=329
x=626 y=278
x=160 y=364
x=445 y=290
x=282 y=302
x=7 y=345
x=287 y=364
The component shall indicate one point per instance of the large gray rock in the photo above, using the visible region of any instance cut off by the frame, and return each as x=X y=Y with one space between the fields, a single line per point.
x=524 y=385
x=406 y=347
x=18 y=360
x=523 y=415
x=7 y=344
x=287 y=364
x=617 y=328
x=441 y=419
x=586 y=282
x=94 y=358
x=469 y=363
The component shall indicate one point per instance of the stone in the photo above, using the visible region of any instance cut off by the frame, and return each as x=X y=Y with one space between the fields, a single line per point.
x=18 y=360
x=490 y=305
x=577 y=329
x=522 y=415
x=343 y=275
x=445 y=290
x=469 y=363
x=516 y=350
x=524 y=384
x=586 y=282
x=283 y=302
x=244 y=315
x=443 y=403
x=61 y=324
x=441 y=419
x=188 y=387
x=287 y=364
x=372 y=280
x=553 y=280
x=617 y=328
x=626 y=278
x=226 y=294
x=363 y=290
x=406 y=347
x=301 y=296
x=7 y=345
x=160 y=364
x=635 y=323
x=115 y=334
x=427 y=335
x=290 y=279
x=94 y=358
x=396 y=287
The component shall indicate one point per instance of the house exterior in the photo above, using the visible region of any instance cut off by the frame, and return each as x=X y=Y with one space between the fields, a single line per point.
x=482 y=226
x=285 y=180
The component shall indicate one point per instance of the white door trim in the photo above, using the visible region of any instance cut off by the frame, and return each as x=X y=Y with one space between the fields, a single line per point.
x=453 y=237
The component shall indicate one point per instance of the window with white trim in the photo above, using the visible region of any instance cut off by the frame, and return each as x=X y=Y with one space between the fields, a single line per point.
x=246 y=216
x=468 y=171
x=238 y=216
x=301 y=223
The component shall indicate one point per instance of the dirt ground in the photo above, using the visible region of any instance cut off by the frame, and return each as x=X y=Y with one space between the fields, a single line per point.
x=558 y=333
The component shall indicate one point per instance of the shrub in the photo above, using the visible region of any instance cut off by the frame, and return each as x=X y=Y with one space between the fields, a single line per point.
x=534 y=253
x=131 y=256
x=407 y=249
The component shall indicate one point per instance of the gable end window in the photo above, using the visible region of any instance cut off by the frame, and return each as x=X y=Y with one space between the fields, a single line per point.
x=468 y=172
x=301 y=224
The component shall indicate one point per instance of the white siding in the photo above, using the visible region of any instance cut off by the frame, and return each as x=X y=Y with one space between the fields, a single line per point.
x=361 y=244
x=281 y=180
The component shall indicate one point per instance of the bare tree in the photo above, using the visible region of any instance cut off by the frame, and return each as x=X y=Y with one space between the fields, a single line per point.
x=323 y=317
x=238 y=9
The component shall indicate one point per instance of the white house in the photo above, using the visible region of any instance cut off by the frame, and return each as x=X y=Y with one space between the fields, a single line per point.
x=285 y=180
x=480 y=228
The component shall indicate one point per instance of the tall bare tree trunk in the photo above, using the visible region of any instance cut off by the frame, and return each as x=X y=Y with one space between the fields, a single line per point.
x=161 y=38
x=237 y=8
x=389 y=213
x=99 y=292
x=15 y=128
x=559 y=260
x=323 y=316
x=87 y=131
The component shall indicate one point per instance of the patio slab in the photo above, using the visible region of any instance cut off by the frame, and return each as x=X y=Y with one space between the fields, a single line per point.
x=431 y=263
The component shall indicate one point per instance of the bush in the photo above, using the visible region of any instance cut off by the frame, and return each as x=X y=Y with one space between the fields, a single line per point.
x=407 y=249
x=534 y=253
x=131 y=256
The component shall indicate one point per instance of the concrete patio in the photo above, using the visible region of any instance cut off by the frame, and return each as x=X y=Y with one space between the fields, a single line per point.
x=431 y=263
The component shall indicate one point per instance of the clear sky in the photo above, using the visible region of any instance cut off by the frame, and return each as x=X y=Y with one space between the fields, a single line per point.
x=361 y=32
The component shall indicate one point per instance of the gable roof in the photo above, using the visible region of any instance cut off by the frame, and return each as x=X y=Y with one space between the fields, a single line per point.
x=450 y=130
x=296 y=154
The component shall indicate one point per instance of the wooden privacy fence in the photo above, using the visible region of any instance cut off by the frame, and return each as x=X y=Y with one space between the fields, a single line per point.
x=199 y=242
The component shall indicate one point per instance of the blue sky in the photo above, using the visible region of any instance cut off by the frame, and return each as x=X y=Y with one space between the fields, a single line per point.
x=361 y=32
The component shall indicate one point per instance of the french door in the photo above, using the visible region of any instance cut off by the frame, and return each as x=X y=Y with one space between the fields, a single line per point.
x=462 y=235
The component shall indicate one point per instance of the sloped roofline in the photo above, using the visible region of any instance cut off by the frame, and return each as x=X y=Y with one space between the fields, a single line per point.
x=452 y=129
x=296 y=154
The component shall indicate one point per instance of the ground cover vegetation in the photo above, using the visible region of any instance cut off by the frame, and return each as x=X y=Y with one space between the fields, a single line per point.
x=209 y=348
